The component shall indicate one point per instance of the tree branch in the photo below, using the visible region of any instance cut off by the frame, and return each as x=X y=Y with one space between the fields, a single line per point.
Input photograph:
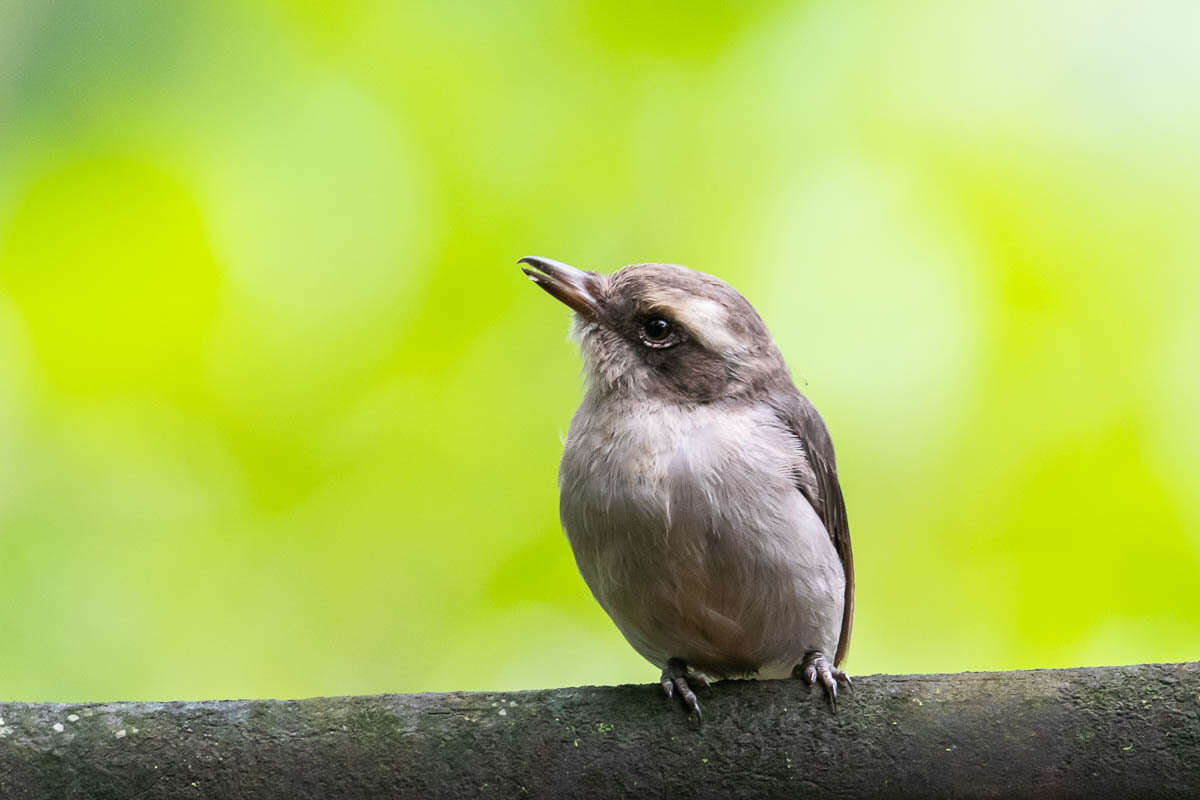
x=1103 y=732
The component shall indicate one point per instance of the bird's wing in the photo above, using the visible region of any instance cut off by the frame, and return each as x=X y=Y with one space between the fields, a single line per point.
x=819 y=485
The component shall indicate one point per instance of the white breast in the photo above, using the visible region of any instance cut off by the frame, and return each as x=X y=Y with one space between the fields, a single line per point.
x=687 y=525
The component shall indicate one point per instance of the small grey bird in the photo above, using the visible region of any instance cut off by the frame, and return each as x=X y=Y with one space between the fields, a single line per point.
x=698 y=486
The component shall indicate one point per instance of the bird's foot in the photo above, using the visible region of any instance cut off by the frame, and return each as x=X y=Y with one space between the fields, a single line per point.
x=675 y=678
x=817 y=667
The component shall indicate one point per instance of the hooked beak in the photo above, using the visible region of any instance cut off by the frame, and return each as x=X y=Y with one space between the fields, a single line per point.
x=576 y=288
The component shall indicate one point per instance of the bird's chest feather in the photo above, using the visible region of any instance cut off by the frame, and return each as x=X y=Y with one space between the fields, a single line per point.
x=688 y=528
x=678 y=498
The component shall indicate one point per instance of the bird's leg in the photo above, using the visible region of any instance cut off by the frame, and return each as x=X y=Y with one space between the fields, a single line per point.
x=675 y=678
x=816 y=666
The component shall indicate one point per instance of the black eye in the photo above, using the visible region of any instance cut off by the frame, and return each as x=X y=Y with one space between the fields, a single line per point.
x=657 y=332
x=656 y=328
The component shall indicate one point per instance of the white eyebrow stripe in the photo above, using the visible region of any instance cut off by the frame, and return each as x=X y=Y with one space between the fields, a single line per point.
x=706 y=320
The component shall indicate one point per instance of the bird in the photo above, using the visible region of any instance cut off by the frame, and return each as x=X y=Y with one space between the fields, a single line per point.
x=698 y=487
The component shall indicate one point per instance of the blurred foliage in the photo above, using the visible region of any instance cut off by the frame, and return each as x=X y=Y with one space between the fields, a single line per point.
x=279 y=415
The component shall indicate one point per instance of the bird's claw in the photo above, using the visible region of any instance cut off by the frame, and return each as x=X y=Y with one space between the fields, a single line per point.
x=675 y=679
x=816 y=667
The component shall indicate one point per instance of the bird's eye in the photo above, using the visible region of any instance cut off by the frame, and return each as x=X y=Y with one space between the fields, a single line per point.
x=656 y=328
x=657 y=332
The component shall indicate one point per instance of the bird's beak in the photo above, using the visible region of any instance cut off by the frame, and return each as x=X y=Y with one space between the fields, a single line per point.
x=578 y=288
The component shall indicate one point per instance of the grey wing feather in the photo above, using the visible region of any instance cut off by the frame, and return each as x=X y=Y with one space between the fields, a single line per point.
x=824 y=493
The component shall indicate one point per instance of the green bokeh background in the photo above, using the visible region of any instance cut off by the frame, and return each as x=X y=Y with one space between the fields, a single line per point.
x=280 y=417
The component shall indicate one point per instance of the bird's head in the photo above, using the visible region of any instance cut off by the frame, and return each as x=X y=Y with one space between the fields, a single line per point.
x=663 y=331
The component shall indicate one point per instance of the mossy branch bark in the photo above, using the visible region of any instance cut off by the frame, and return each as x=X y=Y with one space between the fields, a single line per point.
x=1102 y=732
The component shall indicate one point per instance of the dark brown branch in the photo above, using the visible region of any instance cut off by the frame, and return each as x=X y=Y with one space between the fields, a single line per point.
x=1107 y=732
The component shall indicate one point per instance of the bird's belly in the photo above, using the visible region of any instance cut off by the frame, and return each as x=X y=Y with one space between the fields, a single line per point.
x=692 y=535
